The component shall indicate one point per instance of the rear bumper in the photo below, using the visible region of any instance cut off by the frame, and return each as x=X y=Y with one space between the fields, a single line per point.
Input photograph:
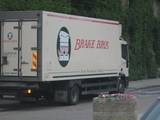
x=12 y=90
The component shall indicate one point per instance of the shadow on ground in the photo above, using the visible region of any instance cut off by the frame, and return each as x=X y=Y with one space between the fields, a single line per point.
x=13 y=105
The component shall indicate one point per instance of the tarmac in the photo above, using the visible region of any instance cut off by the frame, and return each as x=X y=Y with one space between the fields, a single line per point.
x=139 y=84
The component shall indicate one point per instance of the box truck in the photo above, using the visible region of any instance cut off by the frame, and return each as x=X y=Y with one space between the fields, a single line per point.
x=60 y=57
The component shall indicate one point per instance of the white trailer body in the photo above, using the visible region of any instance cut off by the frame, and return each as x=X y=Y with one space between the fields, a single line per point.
x=40 y=48
x=94 y=47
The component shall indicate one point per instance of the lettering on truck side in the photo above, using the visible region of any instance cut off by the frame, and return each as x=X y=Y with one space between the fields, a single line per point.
x=84 y=43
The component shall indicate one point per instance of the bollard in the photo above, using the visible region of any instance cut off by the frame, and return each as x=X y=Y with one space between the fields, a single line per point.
x=115 y=107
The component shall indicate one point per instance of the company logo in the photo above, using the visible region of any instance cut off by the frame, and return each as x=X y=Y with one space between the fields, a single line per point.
x=63 y=46
x=10 y=35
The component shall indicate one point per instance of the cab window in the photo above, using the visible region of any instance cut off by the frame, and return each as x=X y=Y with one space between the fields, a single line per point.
x=124 y=48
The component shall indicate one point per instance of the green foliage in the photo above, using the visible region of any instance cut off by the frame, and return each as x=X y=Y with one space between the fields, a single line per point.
x=48 y=5
x=12 y=5
x=156 y=42
x=83 y=7
x=105 y=9
x=142 y=54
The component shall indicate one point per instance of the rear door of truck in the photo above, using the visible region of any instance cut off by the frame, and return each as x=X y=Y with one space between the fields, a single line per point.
x=18 y=48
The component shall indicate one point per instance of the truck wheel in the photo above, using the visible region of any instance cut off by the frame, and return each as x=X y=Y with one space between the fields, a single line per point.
x=73 y=95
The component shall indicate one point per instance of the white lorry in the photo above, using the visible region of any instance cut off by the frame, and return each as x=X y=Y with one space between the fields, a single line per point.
x=59 y=56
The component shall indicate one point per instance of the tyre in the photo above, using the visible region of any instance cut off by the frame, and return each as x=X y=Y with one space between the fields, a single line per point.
x=73 y=95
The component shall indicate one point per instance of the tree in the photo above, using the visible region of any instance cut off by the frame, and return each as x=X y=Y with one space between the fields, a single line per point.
x=83 y=7
x=48 y=5
x=142 y=54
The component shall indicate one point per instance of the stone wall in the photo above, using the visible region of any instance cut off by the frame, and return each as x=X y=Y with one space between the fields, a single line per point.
x=115 y=107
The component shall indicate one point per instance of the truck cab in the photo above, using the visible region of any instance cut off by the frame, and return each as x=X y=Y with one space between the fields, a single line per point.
x=124 y=60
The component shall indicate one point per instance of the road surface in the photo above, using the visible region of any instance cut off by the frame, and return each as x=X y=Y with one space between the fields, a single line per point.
x=13 y=110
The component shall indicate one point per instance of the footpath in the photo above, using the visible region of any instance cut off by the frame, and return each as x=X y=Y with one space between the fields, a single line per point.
x=144 y=83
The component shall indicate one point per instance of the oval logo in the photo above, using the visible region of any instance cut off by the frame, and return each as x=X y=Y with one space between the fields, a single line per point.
x=10 y=35
x=63 y=46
